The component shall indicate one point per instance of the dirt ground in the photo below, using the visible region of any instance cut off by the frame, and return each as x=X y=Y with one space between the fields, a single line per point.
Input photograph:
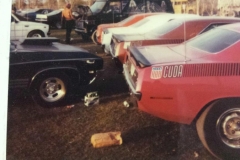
x=64 y=133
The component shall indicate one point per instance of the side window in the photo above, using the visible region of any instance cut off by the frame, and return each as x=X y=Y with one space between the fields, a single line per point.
x=45 y=12
x=212 y=26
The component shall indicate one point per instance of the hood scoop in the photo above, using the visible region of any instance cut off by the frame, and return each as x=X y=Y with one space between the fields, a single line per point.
x=39 y=41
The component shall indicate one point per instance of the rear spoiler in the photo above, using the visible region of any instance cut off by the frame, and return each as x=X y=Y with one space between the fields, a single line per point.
x=140 y=60
x=39 y=41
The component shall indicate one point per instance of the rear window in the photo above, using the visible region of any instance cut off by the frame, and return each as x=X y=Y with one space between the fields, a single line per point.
x=215 y=40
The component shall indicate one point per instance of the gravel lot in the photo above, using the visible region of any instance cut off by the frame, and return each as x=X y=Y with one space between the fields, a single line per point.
x=64 y=133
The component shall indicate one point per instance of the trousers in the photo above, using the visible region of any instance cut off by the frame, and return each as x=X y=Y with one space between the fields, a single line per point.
x=69 y=26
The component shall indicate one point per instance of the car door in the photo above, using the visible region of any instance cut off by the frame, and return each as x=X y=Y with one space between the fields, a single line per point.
x=16 y=29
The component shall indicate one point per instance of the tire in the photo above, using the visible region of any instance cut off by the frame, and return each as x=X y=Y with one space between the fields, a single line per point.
x=219 y=129
x=51 y=90
x=94 y=38
x=36 y=34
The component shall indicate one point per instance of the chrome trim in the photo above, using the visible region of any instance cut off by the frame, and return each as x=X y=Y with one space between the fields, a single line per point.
x=81 y=30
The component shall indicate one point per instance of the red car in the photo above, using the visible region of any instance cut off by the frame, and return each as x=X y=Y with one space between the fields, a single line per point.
x=177 y=30
x=124 y=23
x=196 y=80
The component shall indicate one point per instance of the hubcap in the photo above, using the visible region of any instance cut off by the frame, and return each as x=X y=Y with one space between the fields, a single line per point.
x=52 y=89
x=36 y=35
x=228 y=127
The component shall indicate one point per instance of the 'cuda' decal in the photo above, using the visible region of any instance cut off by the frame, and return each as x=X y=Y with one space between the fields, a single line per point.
x=167 y=72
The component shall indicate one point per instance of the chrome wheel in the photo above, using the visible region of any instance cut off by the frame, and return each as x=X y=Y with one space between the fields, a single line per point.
x=228 y=127
x=52 y=89
x=37 y=35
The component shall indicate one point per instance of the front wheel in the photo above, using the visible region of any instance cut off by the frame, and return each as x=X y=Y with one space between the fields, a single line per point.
x=50 y=90
x=219 y=129
x=36 y=34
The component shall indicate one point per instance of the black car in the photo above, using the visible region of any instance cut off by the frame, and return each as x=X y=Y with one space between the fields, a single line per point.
x=50 y=70
x=31 y=16
x=54 y=19
x=112 y=11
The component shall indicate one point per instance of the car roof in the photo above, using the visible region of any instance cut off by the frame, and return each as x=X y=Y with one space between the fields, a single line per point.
x=166 y=15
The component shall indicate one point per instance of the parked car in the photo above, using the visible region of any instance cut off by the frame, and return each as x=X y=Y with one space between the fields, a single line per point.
x=21 y=28
x=196 y=80
x=54 y=19
x=50 y=70
x=141 y=27
x=25 y=11
x=31 y=16
x=124 y=23
x=112 y=11
x=177 y=30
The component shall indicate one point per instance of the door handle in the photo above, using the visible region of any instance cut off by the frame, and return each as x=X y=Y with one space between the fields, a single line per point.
x=26 y=26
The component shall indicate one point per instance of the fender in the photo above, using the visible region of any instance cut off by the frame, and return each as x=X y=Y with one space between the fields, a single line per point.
x=54 y=69
x=38 y=31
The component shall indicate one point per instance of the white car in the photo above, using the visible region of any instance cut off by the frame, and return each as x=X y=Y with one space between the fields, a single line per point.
x=141 y=27
x=21 y=28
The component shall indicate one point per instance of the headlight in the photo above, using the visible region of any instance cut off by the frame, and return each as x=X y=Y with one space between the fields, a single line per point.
x=126 y=44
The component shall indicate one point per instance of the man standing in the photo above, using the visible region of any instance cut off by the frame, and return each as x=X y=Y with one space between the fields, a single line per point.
x=69 y=21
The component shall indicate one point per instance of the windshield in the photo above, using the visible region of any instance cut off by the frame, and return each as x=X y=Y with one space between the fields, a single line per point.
x=20 y=17
x=54 y=12
x=165 y=28
x=98 y=6
x=215 y=40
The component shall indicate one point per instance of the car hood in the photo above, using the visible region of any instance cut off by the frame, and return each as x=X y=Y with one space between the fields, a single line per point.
x=162 y=54
x=55 y=52
x=33 y=23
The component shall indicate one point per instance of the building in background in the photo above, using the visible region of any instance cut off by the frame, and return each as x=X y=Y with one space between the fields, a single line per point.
x=184 y=6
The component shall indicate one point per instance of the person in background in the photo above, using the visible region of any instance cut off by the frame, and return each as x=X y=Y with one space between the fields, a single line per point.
x=14 y=9
x=69 y=21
